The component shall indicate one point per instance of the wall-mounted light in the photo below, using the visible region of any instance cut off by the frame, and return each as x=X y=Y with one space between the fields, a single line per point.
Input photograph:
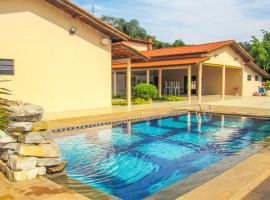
x=105 y=41
x=73 y=30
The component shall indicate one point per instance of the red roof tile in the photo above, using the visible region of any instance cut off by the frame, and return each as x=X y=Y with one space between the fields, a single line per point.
x=190 y=49
x=163 y=63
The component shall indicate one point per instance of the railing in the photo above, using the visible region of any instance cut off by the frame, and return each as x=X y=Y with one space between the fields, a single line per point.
x=205 y=111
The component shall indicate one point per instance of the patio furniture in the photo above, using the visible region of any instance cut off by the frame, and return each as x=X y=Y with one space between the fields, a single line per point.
x=172 y=88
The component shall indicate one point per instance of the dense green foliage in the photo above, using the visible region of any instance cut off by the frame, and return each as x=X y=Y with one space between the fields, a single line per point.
x=4 y=103
x=171 y=98
x=260 y=50
x=140 y=101
x=145 y=91
x=133 y=29
x=267 y=85
x=119 y=103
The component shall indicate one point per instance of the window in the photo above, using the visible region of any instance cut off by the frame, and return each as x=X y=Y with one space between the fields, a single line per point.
x=6 y=67
x=256 y=78
x=249 y=77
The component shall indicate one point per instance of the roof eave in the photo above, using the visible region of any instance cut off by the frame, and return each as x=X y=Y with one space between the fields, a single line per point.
x=88 y=18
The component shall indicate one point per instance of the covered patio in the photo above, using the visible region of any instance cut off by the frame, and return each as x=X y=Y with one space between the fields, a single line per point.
x=182 y=77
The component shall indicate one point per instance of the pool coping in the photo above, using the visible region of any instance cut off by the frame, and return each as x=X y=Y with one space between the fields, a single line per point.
x=118 y=122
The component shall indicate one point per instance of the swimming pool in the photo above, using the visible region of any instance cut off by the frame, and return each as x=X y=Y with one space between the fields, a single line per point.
x=135 y=161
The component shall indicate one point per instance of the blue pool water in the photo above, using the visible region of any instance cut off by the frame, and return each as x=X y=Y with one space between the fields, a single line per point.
x=134 y=161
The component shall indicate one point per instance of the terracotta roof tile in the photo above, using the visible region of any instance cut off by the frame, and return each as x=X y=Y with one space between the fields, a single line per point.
x=190 y=49
x=164 y=63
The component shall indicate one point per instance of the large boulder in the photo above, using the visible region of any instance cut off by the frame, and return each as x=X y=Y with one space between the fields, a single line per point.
x=40 y=151
x=6 y=138
x=21 y=163
x=48 y=162
x=26 y=113
x=21 y=126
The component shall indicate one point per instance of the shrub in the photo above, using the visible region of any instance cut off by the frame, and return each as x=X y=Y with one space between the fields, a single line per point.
x=171 y=98
x=4 y=104
x=267 y=85
x=145 y=91
x=140 y=101
x=120 y=103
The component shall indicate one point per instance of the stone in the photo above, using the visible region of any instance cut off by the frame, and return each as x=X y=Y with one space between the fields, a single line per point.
x=6 y=153
x=11 y=146
x=17 y=134
x=21 y=126
x=40 y=151
x=48 y=162
x=32 y=138
x=40 y=127
x=22 y=163
x=6 y=138
x=57 y=169
x=16 y=176
x=26 y=113
x=48 y=137
x=32 y=173
x=3 y=166
x=41 y=171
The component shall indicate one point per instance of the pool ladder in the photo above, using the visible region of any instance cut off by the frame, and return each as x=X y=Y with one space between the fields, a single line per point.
x=200 y=110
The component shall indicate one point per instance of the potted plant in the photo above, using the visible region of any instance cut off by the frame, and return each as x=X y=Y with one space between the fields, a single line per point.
x=235 y=91
x=267 y=88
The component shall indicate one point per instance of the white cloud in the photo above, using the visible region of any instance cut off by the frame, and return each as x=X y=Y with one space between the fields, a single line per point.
x=194 y=21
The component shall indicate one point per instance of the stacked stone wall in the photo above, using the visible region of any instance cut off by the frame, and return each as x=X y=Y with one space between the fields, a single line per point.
x=27 y=149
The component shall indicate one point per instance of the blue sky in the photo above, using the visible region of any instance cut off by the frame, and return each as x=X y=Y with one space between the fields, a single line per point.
x=194 y=21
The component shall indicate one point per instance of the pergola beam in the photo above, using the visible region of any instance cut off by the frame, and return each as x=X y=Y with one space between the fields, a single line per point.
x=114 y=83
x=223 y=84
x=160 y=82
x=200 y=82
x=128 y=82
x=148 y=76
x=189 y=84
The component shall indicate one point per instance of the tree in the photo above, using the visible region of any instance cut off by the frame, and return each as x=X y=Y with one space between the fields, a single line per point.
x=260 y=51
x=178 y=43
x=134 y=30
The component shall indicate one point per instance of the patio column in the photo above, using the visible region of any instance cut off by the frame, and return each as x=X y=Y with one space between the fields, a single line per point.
x=200 y=83
x=147 y=76
x=128 y=82
x=223 y=81
x=114 y=84
x=160 y=82
x=189 y=83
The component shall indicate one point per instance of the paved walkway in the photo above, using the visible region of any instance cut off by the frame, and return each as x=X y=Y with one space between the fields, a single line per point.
x=37 y=189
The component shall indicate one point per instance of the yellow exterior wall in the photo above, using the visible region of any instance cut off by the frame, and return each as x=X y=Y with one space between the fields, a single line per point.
x=138 y=46
x=233 y=80
x=249 y=87
x=211 y=83
x=226 y=56
x=54 y=69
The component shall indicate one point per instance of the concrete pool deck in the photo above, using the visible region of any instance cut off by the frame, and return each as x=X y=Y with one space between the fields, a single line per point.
x=241 y=181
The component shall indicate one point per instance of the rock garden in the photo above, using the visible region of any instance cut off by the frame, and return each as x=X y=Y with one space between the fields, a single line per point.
x=27 y=149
